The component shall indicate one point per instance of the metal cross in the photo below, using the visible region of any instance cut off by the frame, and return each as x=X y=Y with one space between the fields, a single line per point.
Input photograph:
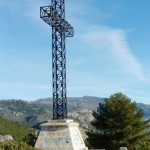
x=54 y=15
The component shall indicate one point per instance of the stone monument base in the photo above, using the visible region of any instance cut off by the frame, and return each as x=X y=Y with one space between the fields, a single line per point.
x=60 y=135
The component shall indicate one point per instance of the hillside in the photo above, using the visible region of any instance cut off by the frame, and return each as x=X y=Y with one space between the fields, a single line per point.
x=18 y=131
x=21 y=111
x=76 y=104
x=35 y=112
x=73 y=102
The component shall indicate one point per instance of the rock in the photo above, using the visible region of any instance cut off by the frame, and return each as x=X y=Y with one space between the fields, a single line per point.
x=4 y=138
x=17 y=113
x=2 y=109
x=123 y=148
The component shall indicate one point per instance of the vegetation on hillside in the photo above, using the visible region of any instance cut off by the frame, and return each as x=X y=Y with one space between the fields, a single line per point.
x=13 y=145
x=21 y=107
x=118 y=124
x=19 y=132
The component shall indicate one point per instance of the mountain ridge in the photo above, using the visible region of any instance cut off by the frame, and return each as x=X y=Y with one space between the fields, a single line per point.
x=35 y=112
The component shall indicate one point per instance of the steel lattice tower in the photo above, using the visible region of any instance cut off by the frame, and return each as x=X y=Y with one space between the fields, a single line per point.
x=54 y=15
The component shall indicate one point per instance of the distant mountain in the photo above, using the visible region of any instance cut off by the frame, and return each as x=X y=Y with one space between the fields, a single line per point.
x=22 y=111
x=35 y=112
x=88 y=102
x=146 y=109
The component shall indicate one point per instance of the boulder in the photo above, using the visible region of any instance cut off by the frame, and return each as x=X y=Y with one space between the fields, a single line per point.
x=4 y=138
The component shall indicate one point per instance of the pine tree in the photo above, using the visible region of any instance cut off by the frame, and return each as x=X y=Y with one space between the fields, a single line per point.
x=118 y=123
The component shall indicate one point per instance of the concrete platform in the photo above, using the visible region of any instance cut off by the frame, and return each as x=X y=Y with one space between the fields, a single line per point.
x=60 y=135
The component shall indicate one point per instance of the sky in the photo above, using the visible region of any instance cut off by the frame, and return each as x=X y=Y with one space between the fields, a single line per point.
x=109 y=53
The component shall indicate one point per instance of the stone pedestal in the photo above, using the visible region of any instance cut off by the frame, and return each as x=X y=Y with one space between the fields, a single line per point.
x=60 y=135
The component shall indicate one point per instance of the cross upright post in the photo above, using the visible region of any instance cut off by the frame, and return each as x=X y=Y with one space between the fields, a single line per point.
x=54 y=15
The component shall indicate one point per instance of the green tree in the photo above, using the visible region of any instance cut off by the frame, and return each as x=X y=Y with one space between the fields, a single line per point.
x=118 y=123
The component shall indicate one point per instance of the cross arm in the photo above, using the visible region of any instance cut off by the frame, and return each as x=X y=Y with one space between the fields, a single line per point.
x=51 y=17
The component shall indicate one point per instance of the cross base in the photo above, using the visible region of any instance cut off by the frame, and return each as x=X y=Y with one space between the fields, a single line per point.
x=60 y=135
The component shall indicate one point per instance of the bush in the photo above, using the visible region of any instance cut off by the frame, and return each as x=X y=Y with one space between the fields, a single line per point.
x=13 y=145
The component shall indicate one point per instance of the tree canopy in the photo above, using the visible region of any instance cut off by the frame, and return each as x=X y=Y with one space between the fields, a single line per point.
x=118 y=123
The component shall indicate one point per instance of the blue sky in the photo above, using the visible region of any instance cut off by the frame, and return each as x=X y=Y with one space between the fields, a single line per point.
x=109 y=52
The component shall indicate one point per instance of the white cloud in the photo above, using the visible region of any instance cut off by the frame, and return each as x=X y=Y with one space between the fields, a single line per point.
x=114 y=42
